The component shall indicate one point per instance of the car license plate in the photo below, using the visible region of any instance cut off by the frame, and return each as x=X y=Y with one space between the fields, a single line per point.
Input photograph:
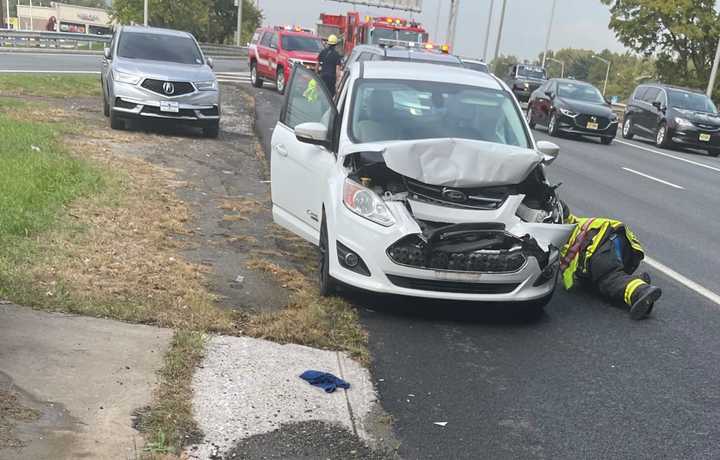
x=592 y=125
x=167 y=106
x=705 y=137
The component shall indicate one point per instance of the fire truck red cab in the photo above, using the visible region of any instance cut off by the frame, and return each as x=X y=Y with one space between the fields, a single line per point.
x=353 y=30
x=274 y=51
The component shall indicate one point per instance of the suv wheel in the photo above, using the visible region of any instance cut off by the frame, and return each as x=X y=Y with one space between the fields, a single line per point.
x=662 y=139
x=106 y=106
x=530 y=121
x=553 y=128
x=280 y=80
x=328 y=285
x=606 y=140
x=713 y=152
x=115 y=121
x=627 y=130
x=212 y=131
x=254 y=79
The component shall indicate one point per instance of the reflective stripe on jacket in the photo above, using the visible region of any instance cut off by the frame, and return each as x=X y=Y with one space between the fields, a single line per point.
x=577 y=253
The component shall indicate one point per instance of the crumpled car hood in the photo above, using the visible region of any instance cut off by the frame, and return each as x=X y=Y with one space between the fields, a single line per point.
x=457 y=162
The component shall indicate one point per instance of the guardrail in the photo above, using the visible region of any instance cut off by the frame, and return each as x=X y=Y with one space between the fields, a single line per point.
x=63 y=41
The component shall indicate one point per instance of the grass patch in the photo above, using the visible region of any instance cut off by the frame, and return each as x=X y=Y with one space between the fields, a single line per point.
x=49 y=85
x=170 y=422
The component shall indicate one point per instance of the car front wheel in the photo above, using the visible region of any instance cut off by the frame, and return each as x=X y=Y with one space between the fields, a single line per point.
x=280 y=80
x=627 y=130
x=254 y=79
x=328 y=285
x=607 y=140
x=554 y=125
x=115 y=121
x=662 y=139
x=530 y=121
x=212 y=131
x=713 y=152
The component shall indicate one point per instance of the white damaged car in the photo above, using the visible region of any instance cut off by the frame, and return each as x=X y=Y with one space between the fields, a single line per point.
x=418 y=180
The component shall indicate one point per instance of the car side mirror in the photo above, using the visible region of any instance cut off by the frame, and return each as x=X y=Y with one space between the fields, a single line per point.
x=657 y=105
x=550 y=94
x=107 y=53
x=312 y=133
x=210 y=62
x=608 y=101
x=549 y=150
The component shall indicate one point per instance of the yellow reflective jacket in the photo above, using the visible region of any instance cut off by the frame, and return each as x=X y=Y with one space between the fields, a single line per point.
x=588 y=235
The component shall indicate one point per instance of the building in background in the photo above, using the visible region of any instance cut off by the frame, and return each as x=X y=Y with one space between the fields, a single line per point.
x=63 y=17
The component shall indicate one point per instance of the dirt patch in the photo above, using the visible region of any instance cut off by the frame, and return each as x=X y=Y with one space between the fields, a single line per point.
x=12 y=412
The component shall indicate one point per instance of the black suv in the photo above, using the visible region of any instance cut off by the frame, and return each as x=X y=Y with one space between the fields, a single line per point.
x=523 y=79
x=673 y=116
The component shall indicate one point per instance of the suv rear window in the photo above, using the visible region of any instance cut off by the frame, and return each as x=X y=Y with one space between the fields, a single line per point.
x=159 y=47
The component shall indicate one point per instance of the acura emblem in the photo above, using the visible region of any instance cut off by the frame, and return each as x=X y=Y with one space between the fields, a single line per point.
x=593 y=119
x=168 y=88
x=454 y=195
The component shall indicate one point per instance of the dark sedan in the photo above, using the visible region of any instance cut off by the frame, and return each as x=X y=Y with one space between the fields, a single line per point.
x=572 y=106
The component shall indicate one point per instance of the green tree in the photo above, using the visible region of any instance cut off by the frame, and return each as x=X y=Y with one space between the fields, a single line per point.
x=681 y=34
x=207 y=20
x=501 y=65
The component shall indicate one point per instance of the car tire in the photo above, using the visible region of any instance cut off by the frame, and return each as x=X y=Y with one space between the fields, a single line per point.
x=529 y=117
x=534 y=309
x=327 y=284
x=627 y=130
x=607 y=140
x=553 y=125
x=713 y=152
x=115 y=121
x=212 y=131
x=106 y=106
x=280 y=80
x=256 y=81
x=662 y=138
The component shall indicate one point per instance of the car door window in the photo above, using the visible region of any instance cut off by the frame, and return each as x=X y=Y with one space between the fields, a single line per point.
x=274 y=41
x=308 y=102
x=640 y=93
x=266 y=39
x=662 y=99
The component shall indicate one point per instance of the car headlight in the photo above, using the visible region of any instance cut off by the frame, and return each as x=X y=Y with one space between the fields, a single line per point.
x=210 y=85
x=526 y=85
x=366 y=203
x=683 y=122
x=125 y=77
x=568 y=113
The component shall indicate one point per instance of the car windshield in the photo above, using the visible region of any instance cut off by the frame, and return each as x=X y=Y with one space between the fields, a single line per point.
x=300 y=43
x=159 y=47
x=382 y=34
x=388 y=110
x=531 y=72
x=691 y=101
x=479 y=66
x=409 y=36
x=580 y=92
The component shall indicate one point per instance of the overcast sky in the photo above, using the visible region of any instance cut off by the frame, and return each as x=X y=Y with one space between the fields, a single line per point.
x=578 y=23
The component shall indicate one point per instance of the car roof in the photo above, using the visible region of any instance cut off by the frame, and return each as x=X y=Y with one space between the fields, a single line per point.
x=473 y=61
x=288 y=32
x=403 y=52
x=423 y=71
x=156 y=30
x=571 y=80
x=667 y=86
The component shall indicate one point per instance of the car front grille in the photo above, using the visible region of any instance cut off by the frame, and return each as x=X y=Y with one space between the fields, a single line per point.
x=707 y=127
x=178 y=88
x=464 y=198
x=582 y=121
x=459 y=287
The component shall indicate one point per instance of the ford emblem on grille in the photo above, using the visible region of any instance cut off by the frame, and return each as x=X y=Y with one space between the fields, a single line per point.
x=169 y=88
x=454 y=195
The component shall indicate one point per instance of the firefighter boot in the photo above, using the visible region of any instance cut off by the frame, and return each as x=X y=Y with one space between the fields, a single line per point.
x=642 y=299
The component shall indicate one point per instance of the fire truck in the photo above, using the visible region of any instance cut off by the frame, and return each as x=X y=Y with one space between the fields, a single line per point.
x=352 y=31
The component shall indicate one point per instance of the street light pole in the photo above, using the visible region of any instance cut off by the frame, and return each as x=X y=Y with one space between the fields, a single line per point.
x=607 y=74
x=145 y=13
x=713 y=74
x=500 y=30
x=562 y=66
x=549 y=31
x=487 y=30
x=239 y=21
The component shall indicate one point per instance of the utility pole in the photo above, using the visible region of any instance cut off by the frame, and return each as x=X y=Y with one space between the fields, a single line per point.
x=549 y=31
x=7 y=13
x=31 y=16
x=607 y=73
x=500 y=30
x=452 y=23
x=713 y=74
x=487 y=30
x=145 y=13
x=437 y=21
x=239 y=22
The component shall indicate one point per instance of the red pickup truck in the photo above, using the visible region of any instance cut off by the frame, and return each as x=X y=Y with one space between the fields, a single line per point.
x=275 y=50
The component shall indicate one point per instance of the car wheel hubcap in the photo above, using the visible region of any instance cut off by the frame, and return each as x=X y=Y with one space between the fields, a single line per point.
x=661 y=135
x=529 y=116
x=626 y=128
x=551 y=128
x=281 y=82
x=253 y=74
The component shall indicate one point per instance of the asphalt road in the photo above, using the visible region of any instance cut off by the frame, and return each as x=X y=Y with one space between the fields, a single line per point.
x=46 y=62
x=584 y=381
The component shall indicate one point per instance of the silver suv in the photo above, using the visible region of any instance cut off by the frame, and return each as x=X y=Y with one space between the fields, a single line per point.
x=150 y=73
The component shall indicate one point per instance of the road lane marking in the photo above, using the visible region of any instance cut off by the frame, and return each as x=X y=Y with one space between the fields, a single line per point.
x=685 y=281
x=94 y=72
x=647 y=149
x=653 y=178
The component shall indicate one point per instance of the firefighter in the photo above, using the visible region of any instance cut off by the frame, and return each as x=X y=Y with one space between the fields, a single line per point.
x=603 y=255
x=329 y=60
